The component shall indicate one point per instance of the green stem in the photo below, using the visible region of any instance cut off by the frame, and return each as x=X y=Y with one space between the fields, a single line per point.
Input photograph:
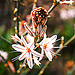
x=47 y=63
x=17 y=25
x=5 y=40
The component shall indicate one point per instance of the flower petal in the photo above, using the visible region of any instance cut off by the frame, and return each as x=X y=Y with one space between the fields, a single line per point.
x=53 y=38
x=16 y=38
x=29 y=60
x=18 y=47
x=42 y=53
x=36 y=60
x=24 y=41
x=36 y=53
x=50 y=40
x=29 y=38
x=49 y=46
x=28 y=29
x=49 y=55
x=24 y=63
x=23 y=55
x=42 y=42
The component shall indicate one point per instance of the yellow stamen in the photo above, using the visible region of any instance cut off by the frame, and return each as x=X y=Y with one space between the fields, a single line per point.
x=5 y=65
x=15 y=10
x=18 y=71
x=20 y=66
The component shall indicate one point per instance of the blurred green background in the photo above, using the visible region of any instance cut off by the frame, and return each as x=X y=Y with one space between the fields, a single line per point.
x=61 y=23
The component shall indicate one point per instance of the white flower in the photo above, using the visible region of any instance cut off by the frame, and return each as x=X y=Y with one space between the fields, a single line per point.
x=4 y=54
x=47 y=44
x=29 y=38
x=36 y=60
x=16 y=38
x=27 y=52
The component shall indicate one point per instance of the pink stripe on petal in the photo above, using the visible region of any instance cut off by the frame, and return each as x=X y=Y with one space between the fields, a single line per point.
x=29 y=60
x=16 y=38
x=48 y=54
x=24 y=41
x=18 y=48
x=32 y=45
x=22 y=56
x=28 y=29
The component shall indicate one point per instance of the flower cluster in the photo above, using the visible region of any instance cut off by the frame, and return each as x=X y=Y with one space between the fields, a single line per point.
x=33 y=42
x=28 y=51
x=30 y=42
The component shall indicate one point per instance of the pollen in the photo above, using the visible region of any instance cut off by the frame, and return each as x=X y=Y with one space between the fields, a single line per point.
x=41 y=72
x=62 y=38
x=18 y=71
x=12 y=61
x=45 y=46
x=28 y=58
x=15 y=10
x=25 y=66
x=20 y=66
x=21 y=43
x=5 y=65
x=28 y=49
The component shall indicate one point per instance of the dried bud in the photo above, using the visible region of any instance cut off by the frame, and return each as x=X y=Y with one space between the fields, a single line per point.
x=39 y=16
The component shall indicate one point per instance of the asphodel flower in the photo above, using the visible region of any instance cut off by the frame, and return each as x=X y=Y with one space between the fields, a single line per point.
x=16 y=39
x=47 y=44
x=26 y=52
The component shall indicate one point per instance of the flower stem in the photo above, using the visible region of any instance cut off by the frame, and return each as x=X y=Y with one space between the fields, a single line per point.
x=18 y=7
x=52 y=7
x=34 y=3
x=11 y=7
x=5 y=40
x=47 y=63
x=42 y=70
x=17 y=25
x=66 y=44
